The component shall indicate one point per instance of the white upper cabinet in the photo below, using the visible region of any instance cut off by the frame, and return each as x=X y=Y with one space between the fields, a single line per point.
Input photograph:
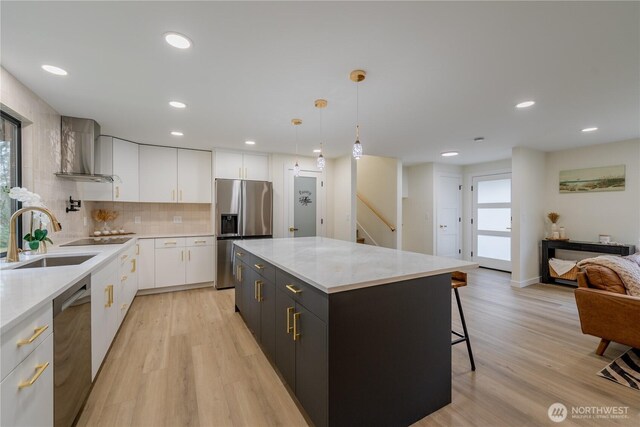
x=158 y=174
x=256 y=167
x=101 y=191
x=234 y=165
x=194 y=176
x=125 y=169
x=228 y=165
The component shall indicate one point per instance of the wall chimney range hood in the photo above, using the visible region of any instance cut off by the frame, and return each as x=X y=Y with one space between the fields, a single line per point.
x=78 y=150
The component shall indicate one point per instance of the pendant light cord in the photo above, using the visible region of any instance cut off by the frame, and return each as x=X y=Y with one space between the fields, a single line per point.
x=357 y=111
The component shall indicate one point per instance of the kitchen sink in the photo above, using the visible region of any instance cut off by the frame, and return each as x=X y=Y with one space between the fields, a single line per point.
x=56 y=261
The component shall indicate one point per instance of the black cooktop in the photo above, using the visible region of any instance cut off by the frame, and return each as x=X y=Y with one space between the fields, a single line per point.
x=98 y=241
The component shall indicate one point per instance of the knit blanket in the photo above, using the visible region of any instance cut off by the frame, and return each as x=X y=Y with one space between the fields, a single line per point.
x=627 y=268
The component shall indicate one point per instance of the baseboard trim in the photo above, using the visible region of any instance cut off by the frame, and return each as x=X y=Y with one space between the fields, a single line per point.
x=151 y=291
x=525 y=283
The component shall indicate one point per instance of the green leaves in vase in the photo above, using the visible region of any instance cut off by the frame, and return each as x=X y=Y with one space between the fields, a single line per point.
x=38 y=236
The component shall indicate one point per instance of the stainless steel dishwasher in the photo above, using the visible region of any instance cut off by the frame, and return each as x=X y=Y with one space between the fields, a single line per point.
x=71 y=351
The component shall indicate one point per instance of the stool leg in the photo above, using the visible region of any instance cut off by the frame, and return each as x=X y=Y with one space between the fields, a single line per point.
x=464 y=329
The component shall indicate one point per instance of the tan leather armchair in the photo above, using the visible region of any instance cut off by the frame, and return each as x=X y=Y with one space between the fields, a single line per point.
x=606 y=311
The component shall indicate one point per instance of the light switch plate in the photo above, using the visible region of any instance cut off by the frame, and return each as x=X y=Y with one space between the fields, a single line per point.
x=137 y=220
x=177 y=219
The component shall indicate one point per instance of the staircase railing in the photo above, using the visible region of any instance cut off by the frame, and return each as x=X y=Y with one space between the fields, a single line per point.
x=375 y=212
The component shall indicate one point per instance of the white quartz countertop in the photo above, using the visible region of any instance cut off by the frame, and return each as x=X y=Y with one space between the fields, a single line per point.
x=24 y=291
x=336 y=265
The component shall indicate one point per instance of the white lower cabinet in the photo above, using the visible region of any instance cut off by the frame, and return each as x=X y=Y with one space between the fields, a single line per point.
x=128 y=285
x=27 y=392
x=170 y=266
x=104 y=312
x=146 y=263
x=181 y=261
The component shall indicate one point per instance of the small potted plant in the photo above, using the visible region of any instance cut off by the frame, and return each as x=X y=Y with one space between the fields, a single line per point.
x=37 y=236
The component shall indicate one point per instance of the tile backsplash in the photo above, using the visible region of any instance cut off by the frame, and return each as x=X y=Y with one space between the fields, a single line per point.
x=155 y=218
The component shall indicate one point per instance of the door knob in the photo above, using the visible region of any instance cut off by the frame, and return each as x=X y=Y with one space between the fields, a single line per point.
x=443 y=226
x=292 y=229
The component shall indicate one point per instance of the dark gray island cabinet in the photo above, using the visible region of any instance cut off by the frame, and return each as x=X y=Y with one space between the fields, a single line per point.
x=352 y=355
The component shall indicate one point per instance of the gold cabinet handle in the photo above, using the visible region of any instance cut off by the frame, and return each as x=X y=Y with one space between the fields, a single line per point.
x=189 y=254
x=170 y=243
x=292 y=229
x=137 y=249
x=293 y=289
x=117 y=192
x=289 y=313
x=133 y=265
x=239 y=273
x=296 y=334
x=39 y=371
x=199 y=241
x=123 y=278
x=36 y=333
x=181 y=255
x=108 y=292
x=258 y=266
x=240 y=254
x=239 y=172
x=110 y=295
x=258 y=290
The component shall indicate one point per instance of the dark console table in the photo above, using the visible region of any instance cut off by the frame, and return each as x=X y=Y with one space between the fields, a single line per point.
x=549 y=251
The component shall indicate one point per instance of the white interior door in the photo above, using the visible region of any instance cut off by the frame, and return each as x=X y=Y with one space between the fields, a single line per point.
x=304 y=204
x=492 y=221
x=448 y=216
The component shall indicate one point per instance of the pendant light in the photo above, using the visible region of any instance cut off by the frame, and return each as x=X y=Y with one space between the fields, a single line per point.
x=296 y=168
x=320 y=104
x=357 y=76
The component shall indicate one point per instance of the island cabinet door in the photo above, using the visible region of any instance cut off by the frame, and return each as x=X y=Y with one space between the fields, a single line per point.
x=267 y=296
x=250 y=305
x=311 y=364
x=285 y=345
x=238 y=272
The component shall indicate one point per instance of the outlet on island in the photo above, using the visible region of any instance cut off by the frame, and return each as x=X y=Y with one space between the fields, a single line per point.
x=177 y=219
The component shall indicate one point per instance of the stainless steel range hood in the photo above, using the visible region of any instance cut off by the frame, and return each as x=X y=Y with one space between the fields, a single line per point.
x=79 y=138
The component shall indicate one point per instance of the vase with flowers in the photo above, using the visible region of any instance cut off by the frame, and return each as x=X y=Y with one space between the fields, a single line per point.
x=554 y=217
x=37 y=237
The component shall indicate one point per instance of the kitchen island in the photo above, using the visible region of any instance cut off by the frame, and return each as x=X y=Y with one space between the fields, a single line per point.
x=360 y=334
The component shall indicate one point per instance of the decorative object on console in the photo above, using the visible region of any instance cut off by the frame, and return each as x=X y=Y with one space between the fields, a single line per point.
x=605 y=239
x=36 y=238
x=73 y=205
x=608 y=178
x=555 y=230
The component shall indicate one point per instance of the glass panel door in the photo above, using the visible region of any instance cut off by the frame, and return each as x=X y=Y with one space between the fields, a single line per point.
x=492 y=221
x=305 y=200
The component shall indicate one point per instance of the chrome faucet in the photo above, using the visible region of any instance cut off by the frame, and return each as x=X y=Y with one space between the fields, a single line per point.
x=12 y=250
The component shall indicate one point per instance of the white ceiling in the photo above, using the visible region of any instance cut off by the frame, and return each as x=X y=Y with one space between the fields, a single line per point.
x=439 y=74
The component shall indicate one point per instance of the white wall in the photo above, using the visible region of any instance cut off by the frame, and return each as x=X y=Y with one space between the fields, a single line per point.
x=527 y=209
x=418 y=209
x=379 y=182
x=586 y=215
x=343 y=194
x=41 y=155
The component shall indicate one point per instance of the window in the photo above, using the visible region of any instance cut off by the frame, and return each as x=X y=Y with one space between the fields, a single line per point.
x=10 y=175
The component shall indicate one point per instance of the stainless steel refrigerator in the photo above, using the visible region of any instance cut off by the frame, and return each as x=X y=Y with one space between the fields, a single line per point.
x=244 y=210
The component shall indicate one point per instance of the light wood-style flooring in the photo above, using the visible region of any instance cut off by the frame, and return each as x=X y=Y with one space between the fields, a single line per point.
x=186 y=359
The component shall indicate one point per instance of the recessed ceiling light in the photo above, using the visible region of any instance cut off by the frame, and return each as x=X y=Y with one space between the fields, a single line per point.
x=449 y=153
x=479 y=139
x=176 y=133
x=177 y=40
x=317 y=150
x=589 y=129
x=525 y=104
x=250 y=142
x=177 y=104
x=54 y=70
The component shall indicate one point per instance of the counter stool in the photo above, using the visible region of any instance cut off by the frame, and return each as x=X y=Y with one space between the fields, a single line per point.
x=458 y=280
